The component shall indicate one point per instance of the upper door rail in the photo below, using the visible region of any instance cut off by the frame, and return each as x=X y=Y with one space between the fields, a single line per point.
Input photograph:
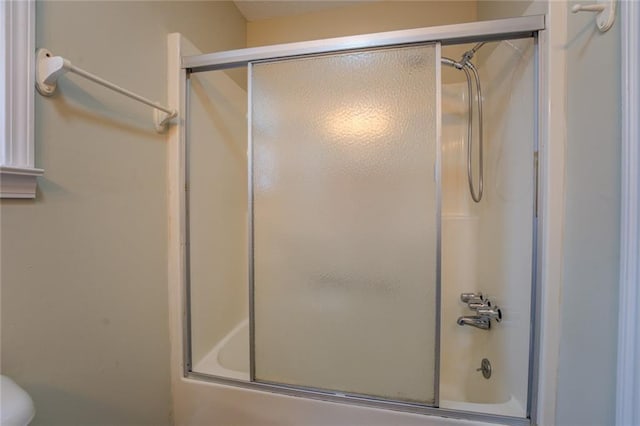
x=499 y=29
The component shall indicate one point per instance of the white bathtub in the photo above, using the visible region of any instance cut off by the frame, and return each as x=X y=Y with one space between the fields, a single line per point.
x=230 y=359
x=454 y=399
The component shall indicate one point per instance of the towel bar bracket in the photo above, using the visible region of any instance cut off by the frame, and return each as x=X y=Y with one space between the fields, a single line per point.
x=605 y=11
x=49 y=68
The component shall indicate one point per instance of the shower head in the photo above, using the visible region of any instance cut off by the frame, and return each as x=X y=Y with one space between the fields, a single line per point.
x=450 y=62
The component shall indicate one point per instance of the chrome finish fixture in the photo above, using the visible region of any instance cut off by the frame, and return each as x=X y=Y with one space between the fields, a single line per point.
x=483 y=323
x=485 y=367
x=485 y=312
x=468 y=55
x=450 y=62
x=475 y=300
x=465 y=65
x=476 y=196
x=466 y=297
x=493 y=313
x=475 y=305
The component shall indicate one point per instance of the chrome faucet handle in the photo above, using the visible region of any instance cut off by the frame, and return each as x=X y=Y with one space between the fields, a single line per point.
x=476 y=304
x=494 y=313
x=468 y=297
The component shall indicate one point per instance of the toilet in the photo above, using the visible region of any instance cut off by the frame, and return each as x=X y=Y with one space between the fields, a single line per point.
x=16 y=406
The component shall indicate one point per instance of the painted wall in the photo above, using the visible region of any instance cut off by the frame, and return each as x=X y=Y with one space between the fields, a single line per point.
x=501 y=9
x=586 y=382
x=365 y=18
x=84 y=293
x=359 y=19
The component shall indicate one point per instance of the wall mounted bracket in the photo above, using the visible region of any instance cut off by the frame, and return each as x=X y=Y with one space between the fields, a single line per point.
x=605 y=13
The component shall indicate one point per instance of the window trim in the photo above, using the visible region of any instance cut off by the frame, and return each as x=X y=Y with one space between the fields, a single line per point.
x=18 y=175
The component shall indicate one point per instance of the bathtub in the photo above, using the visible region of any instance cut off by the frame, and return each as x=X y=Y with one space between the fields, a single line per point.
x=230 y=356
x=230 y=359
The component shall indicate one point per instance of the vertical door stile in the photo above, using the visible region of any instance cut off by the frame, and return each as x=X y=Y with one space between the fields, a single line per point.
x=250 y=224
x=438 y=179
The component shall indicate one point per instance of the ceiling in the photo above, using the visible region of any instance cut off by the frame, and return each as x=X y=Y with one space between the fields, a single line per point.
x=257 y=10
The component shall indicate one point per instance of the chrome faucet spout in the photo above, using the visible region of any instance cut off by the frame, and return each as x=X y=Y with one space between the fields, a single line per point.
x=476 y=321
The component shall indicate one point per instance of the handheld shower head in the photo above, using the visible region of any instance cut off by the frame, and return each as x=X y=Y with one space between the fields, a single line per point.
x=450 y=62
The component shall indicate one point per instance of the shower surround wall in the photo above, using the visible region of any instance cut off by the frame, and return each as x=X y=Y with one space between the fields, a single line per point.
x=506 y=233
x=217 y=156
x=487 y=247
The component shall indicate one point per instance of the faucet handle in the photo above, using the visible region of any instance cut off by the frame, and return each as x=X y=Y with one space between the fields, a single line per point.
x=494 y=313
x=469 y=297
x=475 y=304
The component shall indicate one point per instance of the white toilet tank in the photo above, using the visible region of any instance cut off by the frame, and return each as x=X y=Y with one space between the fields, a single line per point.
x=16 y=406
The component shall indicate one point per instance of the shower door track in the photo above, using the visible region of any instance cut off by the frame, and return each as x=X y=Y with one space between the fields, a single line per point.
x=499 y=29
x=495 y=30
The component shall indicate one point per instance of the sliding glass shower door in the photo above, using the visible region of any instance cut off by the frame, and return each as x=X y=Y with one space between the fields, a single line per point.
x=344 y=167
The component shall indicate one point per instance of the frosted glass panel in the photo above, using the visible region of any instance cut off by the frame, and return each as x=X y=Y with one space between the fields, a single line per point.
x=217 y=203
x=345 y=221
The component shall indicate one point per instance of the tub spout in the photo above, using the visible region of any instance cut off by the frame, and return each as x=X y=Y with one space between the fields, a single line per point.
x=477 y=321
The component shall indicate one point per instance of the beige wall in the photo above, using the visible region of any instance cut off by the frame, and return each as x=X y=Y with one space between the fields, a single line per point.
x=501 y=9
x=84 y=266
x=586 y=382
x=366 y=18
x=359 y=19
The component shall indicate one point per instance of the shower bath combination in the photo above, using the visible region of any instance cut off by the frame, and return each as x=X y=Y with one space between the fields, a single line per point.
x=465 y=65
x=330 y=262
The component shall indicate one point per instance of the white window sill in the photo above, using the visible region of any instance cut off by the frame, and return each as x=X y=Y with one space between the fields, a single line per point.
x=18 y=182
